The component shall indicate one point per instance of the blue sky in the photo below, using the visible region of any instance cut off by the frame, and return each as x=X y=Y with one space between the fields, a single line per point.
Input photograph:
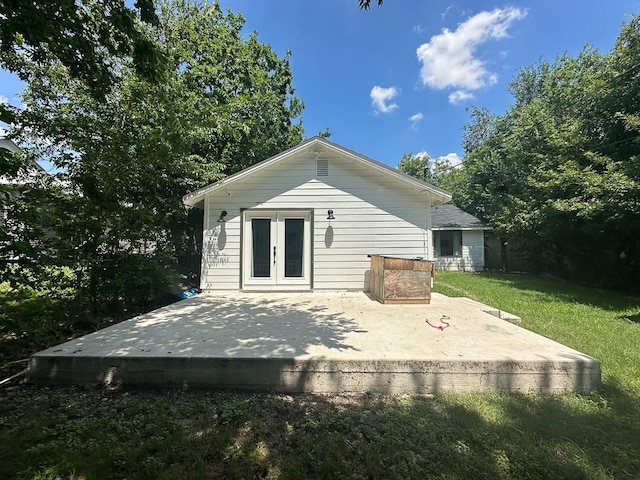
x=400 y=78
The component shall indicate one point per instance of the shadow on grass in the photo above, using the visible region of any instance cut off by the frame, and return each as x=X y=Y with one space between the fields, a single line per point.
x=547 y=288
x=193 y=435
x=631 y=318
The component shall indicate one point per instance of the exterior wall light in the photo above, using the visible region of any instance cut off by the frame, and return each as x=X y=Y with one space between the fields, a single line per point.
x=330 y=215
x=223 y=214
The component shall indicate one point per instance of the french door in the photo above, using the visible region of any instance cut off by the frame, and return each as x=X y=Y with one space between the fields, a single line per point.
x=277 y=250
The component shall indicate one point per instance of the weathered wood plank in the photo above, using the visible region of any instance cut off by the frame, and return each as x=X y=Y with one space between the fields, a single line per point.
x=410 y=282
x=376 y=276
x=422 y=265
x=406 y=301
x=397 y=263
x=406 y=284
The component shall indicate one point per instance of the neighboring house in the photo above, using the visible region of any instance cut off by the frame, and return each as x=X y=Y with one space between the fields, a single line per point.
x=7 y=185
x=10 y=187
x=458 y=239
x=9 y=145
x=308 y=218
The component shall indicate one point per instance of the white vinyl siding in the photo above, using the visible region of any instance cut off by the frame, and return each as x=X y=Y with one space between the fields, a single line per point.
x=472 y=253
x=373 y=214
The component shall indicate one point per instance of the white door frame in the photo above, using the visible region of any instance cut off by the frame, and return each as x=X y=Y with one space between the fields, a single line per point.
x=276 y=278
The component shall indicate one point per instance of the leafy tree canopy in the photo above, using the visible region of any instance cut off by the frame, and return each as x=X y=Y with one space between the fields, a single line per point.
x=416 y=165
x=83 y=35
x=559 y=172
x=225 y=102
x=438 y=171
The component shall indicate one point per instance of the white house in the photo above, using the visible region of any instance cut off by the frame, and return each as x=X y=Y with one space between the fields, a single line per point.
x=458 y=239
x=308 y=218
x=8 y=144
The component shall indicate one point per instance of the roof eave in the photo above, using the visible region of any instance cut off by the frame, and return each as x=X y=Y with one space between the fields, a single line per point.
x=454 y=227
x=193 y=198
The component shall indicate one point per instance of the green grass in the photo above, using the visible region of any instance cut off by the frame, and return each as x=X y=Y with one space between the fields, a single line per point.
x=89 y=433
x=605 y=325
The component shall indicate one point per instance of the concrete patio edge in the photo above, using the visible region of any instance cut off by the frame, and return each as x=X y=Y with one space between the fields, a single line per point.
x=322 y=343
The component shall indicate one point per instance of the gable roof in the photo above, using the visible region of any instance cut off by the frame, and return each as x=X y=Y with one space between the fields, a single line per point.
x=312 y=144
x=450 y=217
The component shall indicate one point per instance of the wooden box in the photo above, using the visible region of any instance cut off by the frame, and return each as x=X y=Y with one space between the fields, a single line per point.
x=400 y=280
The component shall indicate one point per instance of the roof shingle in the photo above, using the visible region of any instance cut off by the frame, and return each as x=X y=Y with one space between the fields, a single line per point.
x=449 y=216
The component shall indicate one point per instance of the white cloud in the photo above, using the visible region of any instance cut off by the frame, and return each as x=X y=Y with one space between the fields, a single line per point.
x=419 y=29
x=444 y=14
x=422 y=154
x=453 y=159
x=4 y=99
x=459 y=96
x=380 y=98
x=448 y=59
x=415 y=119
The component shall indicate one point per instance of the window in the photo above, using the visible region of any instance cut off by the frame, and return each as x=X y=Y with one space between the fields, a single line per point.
x=448 y=243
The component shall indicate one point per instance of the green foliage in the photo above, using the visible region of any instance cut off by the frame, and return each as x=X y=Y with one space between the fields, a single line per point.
x=31 y=320
x=233 y=413
x=113 y=215
x=600 y=323
x=559 y=172
x=446 y=176
x=92 y=433
x=438 y=172
x=84 y=36
x=49 y=473
x=417 y=166
x=326 y=133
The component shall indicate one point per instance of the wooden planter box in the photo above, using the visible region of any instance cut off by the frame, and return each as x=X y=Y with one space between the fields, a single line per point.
x=400 y=280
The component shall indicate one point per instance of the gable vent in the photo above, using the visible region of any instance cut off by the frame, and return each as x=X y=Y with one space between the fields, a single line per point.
x=322 y=167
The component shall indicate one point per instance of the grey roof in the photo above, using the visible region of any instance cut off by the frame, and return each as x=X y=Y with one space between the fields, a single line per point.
x=448 y=217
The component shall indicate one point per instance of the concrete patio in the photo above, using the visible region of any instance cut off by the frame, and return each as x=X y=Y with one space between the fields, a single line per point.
x=318 y=342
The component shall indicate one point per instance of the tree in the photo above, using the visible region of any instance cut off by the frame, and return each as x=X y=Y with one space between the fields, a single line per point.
x=438 y=172
x=83 y=35
x=559 y=172
x=446 y=176
x=416 y=165
x=128 y=158
x=86 y=36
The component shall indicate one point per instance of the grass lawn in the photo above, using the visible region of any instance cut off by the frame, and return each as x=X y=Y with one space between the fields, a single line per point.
x=90 y=433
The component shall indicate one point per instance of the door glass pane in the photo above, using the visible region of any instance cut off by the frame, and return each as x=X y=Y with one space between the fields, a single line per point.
x=261 y=231
x=293 y=246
